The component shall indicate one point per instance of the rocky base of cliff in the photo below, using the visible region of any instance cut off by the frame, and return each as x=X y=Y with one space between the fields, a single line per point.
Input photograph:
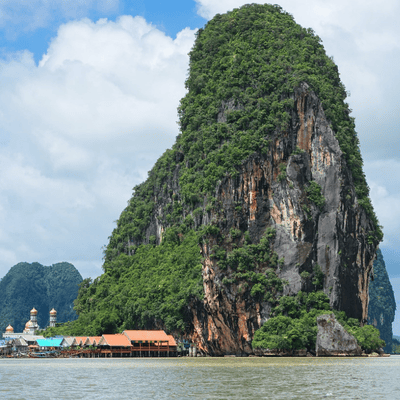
x=333 y=340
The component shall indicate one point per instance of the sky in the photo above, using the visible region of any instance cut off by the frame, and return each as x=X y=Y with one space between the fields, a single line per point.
x=88 y=102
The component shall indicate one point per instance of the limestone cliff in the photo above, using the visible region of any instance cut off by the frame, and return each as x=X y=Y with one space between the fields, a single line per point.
x=262 y=195
x=333 y=236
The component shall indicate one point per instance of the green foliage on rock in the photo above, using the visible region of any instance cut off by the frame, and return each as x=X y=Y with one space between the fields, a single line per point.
x=252 y=264
x=154 y=284
x=294 y=325
x=382 y=304
x=244 y=68
x=314 y=194
x=318 y=277
x=367 y=337
x=395 y=345
x=33 y=285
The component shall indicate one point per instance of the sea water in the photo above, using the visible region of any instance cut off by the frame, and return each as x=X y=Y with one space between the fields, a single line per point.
x=201 y=378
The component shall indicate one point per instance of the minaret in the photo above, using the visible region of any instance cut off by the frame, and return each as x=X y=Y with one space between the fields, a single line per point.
x=53 y=318
x=34 y=316
x=33 y=326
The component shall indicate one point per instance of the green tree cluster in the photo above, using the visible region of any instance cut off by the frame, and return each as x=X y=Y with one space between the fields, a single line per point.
x=314 y=194
x=154 y=284
x=294 y=325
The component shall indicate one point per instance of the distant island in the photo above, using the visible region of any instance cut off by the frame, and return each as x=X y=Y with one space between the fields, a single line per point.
x=43 y=287
x=382 y=304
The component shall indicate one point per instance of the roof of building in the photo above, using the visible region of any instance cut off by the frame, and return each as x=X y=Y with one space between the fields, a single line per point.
x=171 y=340
x=9 y=328
x=67 y=341
x=49 y=342
x=117 y=340
x=33 y=311
x=53 y=312
x=80 y=340
x=92 y=340
x=19 y=342
x=146 y=336
x=31 y=338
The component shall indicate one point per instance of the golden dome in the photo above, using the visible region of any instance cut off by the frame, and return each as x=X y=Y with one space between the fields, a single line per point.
x=33 y=311
x=9 y=328
x=53 y=312
x=29 y=324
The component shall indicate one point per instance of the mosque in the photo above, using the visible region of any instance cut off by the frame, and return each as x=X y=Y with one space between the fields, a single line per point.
x=31 y=326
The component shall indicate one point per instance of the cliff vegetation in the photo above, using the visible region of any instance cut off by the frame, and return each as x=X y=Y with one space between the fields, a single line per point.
x=293 y=325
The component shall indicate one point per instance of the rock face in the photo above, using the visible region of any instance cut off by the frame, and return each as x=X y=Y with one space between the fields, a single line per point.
x=332 y=236
x=333 y=340
x=382 y=304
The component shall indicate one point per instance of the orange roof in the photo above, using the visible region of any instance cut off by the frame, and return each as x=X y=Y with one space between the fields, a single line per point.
x=149 y=336
x=92 y=340
x=80 y=340
x=119 y=339
x=171 y=340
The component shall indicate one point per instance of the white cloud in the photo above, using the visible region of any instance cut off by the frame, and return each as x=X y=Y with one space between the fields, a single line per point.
x=79 y=130
x=103 y=79
x=384 y=180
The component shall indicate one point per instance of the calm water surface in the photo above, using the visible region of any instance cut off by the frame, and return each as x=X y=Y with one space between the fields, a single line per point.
x=201 y=378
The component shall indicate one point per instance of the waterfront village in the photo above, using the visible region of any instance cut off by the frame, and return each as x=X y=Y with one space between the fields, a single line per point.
x=129 y=343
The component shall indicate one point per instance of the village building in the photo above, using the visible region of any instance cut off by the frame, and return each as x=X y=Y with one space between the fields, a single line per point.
x=130 y=343
x=5 y=347
x=92 y=341
x=20 y=345
x=49 y=343
x=67 y=341
x=79 y=341
x=117 y=344
x=151 y=343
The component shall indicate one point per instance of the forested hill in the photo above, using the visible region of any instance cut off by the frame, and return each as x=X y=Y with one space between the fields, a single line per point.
x=262 y=195
x=382 y=304
x=33 y=285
